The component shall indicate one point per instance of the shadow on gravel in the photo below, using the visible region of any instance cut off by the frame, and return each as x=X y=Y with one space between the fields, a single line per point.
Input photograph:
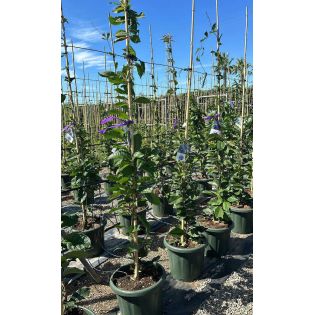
x=215 y=298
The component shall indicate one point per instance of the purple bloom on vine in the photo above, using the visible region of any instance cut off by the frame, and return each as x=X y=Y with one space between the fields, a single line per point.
x=107 y=119
x=124 y=123
x=232 y=103
x=67 y=128
x=216 y=125
x=175 y=123
x=216 y=116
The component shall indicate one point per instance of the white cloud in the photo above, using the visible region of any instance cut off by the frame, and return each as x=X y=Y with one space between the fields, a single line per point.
x=86 y=34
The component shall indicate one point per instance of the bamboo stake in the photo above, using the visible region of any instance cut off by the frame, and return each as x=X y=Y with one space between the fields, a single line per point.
x=218 y=49
x=190 y=67
x=244 y=72
x=188 y=88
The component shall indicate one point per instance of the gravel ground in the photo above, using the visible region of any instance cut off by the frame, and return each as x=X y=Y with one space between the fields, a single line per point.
x=224 y=288
x=234 y=296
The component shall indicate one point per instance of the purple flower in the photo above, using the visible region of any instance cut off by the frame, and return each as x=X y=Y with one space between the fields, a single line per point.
x=124 y=123
x=67 y=128
x=216 y=125
x=232 y=103
x=216 y=116
x=107 y=119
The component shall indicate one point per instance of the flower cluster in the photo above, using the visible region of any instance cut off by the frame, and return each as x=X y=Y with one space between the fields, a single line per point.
x=111 y=118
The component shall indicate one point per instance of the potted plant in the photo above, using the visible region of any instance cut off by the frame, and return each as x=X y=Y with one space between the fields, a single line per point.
x=84 y=170
x=197 y=136
x=73 y=245
x=222 y=158
x=242 y=209
x=184 y=243
x=138 y=286
x=161 y=187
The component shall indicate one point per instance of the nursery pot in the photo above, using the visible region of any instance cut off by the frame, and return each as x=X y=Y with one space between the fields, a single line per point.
x=96 y=235
x=146 y=301
x=242 y=219
x=218 y=241
x=107 y=187
x=125 y=221
x=78 y=194
x=203 y=184
x=161 y=210
x=85 y=310
x=186 y=264
x=66 y=181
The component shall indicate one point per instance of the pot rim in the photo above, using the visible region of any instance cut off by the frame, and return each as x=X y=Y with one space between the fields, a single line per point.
x=182 y=250
x=241 y=210
x=140 y=212
x=220 y=230
x=135 y=293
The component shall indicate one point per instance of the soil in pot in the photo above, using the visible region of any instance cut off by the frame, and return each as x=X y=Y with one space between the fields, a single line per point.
x=146 y=279
x=217 y=235
x=143 y=297
x=242 y=217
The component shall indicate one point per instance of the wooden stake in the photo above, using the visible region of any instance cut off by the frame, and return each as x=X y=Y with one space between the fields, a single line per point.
x=190 y=67
x=244 y=73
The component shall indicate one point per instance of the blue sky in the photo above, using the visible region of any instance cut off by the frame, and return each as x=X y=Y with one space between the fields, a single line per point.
x=88 y=20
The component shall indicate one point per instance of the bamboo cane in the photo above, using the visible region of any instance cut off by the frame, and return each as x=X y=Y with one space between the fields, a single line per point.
x=244 y=73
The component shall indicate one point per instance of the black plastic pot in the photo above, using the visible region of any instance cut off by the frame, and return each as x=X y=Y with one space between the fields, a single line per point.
x=186 y=264
x=242 y=219
x=107 y=188
x=85 y=310
x=96 y=236
x=78 y=194
x=125 y=221
x=161 y=210
x=147 y=301
x=66 y=181
x=218 y=241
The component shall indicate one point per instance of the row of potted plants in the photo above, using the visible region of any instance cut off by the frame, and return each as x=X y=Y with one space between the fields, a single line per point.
x=169 y=174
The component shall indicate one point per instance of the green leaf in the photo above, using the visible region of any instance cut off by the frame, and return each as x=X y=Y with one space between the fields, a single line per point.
x=63 y=97
x=226 y=205
x=80 y=294
x=140 y=68
x=142 y=100
x=69 y=219
x=136 y=141
x=218 y=213
x=135 y=39
x=117 y=20
x=126 y=170
x=72 y=270
x=152 y=198
x=177 y=231
x=114 y=134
